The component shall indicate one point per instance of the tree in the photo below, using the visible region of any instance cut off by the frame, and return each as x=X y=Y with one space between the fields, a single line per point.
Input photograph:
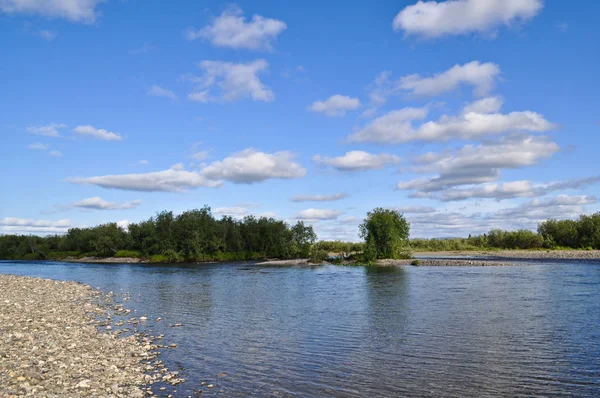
x=303 y=237
x=386 y=234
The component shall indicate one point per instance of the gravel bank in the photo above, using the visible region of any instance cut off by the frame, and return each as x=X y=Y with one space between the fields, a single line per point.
x=104 y=260
x=519 y=254
x=51 y=345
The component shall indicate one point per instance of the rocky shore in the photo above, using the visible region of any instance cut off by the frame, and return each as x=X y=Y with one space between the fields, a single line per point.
x=57 y=339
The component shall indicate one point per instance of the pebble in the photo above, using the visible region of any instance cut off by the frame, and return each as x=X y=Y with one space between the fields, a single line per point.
x=52 y=343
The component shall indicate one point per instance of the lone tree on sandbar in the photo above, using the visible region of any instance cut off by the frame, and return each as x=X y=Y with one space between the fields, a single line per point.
x=386 y=235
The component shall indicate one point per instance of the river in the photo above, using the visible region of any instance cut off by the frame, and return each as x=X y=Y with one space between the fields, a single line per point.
x=365 y=332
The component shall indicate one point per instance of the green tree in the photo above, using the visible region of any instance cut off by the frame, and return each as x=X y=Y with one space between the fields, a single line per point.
x=386 y=234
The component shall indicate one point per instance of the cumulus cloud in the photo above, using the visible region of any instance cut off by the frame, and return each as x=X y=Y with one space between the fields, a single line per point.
x=99 y=134
x=50 y=130
x=250 y=166
x=477 y=164
x=231 y=29
x=228 y=81
x=318 y=214
x=82 y=11
x=510 y=190
x=158 y=91
x=527 y=215
x=97 y=203
x=482 y=76
x=477 y=120
x=319 y=198
x=432 y=19
x=336 y=105
x=357 y=161
x=21 y=225
x=175 y=179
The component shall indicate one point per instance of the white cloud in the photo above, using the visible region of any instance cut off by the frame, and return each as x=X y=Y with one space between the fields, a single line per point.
x=319 y=198
x=481 y=76
x=123 y=224
x=415 y=209
x=232 y=30
x=238 y=211
x=243 y=210
x=228 y=81
x=143 y=161
x=48 y=35
x=100 y=134
x=175 y=179
x=484 y=106
x=38 y=146
x=431 y=19
x=97 y=203
x=21 y=225
x=318 y=214
x=514 y=189
x=357 y=160
x=250 y=166
x=199 y=96
x=83 y=11
x=380 y=89
x=200 y=155
x=158 y=91
x=336 y=105
x=478 y=164
x=50 y=130
x=474 y=122
x=391 y=127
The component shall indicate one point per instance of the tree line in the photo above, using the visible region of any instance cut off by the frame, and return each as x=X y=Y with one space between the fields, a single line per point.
x=194 y=235
x=583 y=233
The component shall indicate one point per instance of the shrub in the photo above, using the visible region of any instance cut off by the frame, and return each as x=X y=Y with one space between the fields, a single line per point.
x=127 y=253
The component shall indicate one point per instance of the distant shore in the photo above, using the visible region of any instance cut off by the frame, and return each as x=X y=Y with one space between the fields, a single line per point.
x=441 y=258
x=471 y=258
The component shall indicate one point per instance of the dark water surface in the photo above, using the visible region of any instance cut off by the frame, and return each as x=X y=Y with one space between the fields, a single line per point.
x=374 y=332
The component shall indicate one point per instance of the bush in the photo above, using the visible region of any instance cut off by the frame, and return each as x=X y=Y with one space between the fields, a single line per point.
x=416 y=263
x=318 y=255
x=127 y=253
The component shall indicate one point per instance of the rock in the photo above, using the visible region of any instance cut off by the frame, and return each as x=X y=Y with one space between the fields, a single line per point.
x=210 y=386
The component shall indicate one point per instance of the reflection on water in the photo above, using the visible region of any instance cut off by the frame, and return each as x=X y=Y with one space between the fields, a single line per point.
x=353 y=331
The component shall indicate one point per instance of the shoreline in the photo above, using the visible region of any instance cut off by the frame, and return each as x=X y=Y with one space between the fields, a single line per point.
x=57 y=338
x=425 y=258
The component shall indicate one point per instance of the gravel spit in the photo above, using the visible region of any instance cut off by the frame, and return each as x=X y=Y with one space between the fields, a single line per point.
x=51 y=344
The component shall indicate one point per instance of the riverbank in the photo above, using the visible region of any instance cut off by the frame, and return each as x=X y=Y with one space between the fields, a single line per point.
x=51 y=343
x=441 y=258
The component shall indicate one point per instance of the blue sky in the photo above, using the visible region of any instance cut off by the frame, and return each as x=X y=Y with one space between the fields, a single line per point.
x=466 y=115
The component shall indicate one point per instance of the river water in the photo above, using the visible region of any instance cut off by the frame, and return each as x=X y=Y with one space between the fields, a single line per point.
x=530 y=330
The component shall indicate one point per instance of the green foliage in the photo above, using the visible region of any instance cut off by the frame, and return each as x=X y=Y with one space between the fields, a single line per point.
x=386 y=235
x=194 y=235
x=128 y=254
x=416 y=263
x=318 y=255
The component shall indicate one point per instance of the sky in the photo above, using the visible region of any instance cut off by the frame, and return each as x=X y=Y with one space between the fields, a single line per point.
x=465 y=115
